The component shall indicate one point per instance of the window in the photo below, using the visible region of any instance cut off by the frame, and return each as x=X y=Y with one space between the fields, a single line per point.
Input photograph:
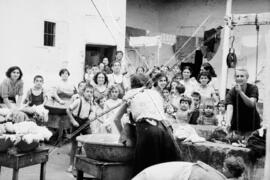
x=49 y=33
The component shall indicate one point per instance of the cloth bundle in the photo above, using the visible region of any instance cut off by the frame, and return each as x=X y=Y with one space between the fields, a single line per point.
x=188 y=134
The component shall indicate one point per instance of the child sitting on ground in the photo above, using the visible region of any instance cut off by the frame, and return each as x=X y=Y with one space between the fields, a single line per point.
x=79 y=112
x=183 y=113
x=207 y=116
x=195 y=110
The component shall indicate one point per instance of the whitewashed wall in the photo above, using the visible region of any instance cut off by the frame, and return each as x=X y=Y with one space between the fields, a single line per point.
x=77 y=24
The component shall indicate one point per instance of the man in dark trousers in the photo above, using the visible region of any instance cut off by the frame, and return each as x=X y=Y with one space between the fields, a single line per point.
x=241 y=102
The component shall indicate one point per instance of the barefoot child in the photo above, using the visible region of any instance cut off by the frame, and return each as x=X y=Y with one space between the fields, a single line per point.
x=79 y=112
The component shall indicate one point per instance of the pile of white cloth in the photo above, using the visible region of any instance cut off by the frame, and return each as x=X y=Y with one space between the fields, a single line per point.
x=188 y=134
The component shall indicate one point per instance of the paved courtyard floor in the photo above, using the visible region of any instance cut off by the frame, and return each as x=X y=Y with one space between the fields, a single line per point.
x=55 y=169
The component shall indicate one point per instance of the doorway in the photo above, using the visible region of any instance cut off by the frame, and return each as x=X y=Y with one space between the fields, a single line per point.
x=95 y=53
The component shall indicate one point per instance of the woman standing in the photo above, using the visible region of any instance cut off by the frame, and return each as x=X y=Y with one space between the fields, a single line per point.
x=187 y=81
x=11 y=87
x=160 y=82
x=154 y=141
x=61 y=96
x=101 y=85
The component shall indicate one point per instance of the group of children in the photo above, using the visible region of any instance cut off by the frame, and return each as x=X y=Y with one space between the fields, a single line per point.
x=184 y=100
x=191 y=111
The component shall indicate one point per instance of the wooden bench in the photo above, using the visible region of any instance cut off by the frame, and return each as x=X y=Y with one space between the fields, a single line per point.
x=21 y=160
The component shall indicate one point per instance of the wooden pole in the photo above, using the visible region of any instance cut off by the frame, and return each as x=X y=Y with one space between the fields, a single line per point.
x=224 y=70
x=266 y=114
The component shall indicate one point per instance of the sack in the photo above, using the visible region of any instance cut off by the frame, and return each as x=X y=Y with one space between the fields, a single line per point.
x=128 y=135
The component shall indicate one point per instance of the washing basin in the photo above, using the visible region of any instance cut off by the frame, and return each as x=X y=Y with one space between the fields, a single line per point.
x=105 y=147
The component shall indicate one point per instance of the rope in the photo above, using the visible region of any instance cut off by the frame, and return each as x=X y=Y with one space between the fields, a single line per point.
x=172 y=57
x=257 y=46
x=194 y=33
x=103 y=20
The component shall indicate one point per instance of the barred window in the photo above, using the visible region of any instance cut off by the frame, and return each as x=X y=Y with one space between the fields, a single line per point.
x=49 y=33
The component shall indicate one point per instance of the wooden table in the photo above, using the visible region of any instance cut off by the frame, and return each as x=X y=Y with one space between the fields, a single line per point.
x=38 y=156
x=102 y=170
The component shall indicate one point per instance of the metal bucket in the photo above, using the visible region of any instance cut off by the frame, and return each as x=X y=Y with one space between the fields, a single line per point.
x=105 y=147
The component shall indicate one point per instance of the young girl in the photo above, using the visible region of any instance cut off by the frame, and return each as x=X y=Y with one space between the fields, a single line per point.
x=208 y=117
x=96 y=126
x=79 y=112
x=203 y=87
x=114 y=99
x=168 y=108
x=221 y=113
x=183 y=113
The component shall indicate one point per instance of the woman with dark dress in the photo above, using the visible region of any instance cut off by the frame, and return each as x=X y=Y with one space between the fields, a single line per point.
x=154 y=141
x=12 y=87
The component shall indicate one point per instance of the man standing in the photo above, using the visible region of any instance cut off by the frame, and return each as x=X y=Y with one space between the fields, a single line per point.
x=125 y=64
x=241 y=101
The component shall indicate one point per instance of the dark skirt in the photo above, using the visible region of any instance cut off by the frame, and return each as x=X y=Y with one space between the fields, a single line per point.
x=154 y=145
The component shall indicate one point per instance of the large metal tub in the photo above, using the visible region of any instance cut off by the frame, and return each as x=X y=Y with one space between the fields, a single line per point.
x=105 y=147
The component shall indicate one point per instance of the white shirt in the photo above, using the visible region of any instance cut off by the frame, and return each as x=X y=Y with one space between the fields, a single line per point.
x=65 y=86
x=85 y=108
x=166 y=171
x=146 y=104
x=205 y=92
x=117 y=79
x=189 y=86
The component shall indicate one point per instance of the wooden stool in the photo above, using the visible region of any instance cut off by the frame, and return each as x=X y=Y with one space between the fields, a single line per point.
x=102 y=170
x=38 y=156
